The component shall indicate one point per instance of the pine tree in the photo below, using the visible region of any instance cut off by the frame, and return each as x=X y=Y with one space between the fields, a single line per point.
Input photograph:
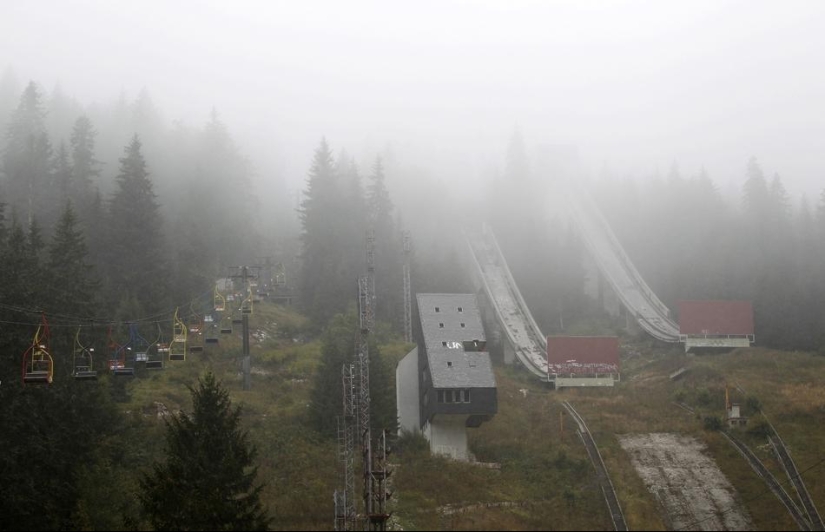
x=337 y=348
x=324 y=289
x=62 y=178
x=207 y=481
x=85 y=167
x=70 y=277
x=27 y=158
x=388 y=256
x=136 y=258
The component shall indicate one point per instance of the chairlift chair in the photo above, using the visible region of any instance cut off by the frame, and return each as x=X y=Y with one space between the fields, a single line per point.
x=38 y=365
x=226 y=324
x=195 y=342
x=83 y=360
x=119 y=365
x=162 y=352
x=177 y=349
x=212 y=334
x=246 y=305
x=144 y=349
x=219 y=301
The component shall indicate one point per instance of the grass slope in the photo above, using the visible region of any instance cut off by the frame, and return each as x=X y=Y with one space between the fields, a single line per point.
x=545 y=481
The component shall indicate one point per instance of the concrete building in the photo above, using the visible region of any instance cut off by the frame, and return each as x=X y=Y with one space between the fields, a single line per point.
x=453 y=384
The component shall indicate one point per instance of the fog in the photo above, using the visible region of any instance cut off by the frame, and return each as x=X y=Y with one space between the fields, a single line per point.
x=632 y=87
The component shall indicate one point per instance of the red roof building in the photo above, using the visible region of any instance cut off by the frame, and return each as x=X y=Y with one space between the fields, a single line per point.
x=716 y=318
x=582 y=355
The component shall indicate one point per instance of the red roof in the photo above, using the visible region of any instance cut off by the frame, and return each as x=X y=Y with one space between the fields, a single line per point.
x=715 y=317
x=582 y=354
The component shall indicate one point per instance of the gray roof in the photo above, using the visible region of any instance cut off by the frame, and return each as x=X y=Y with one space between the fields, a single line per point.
x=454 y=368
x=448 y=323
x=447 y=320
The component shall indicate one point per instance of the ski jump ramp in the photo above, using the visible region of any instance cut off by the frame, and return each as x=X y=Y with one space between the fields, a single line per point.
x=529 y=344
x=639 y=300
x=523 y=334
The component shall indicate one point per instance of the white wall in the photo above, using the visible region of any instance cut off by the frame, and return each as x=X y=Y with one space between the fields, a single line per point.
x=448 y=436
x=406 y=392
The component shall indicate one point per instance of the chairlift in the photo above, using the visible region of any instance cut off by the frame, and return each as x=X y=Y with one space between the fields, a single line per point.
x=119 y=364
x=219 y=301
x=212 y=334
x=38 y=365
x=177 y=349
x=195 y=342
x=246 y=304
x=83 y=359
x=162 y=352
x=145 y=351
x=194 y=322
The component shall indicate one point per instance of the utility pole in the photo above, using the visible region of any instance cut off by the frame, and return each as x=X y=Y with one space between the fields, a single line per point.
x=246 y=365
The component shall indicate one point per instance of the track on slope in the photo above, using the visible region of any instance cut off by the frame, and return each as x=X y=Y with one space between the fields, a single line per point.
x=608 y=491
x=773 y=484
x=796 y=479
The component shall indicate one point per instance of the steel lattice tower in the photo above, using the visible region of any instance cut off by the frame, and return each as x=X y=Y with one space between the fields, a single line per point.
x=407 y=246
x=345 y=512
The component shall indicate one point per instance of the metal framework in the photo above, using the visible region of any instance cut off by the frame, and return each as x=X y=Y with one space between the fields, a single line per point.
x=407 y=247
x=346 y=517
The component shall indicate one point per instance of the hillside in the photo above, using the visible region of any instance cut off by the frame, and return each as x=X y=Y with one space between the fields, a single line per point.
x=542 y=479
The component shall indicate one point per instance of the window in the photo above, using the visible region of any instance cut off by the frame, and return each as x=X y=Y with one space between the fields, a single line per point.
x=453 y=396
x=461 y=309
x=440 y=325
x=462 y=325
x=444 y=343
x=426 y=399
x=449 y=364
x=437 y=309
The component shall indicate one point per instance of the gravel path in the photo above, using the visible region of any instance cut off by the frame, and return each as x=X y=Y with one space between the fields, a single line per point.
x=694 y=493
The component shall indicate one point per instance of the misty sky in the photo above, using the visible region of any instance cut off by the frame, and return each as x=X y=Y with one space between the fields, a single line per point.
x=632 y=85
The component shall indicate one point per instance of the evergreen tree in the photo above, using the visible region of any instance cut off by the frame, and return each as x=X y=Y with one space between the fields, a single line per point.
x=27 y=158
x=71 y=281
x=325 y=290
x=136 y=260
x=85 y=167
x=207 y=481
x=388 y=253
x=353 y=227
x=62 y=178
x=337 y=348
